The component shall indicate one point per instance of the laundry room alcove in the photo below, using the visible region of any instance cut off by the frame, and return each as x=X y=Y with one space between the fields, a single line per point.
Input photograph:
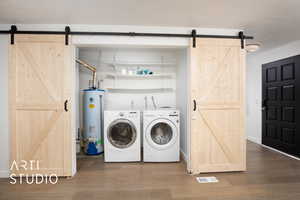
x=135 y=78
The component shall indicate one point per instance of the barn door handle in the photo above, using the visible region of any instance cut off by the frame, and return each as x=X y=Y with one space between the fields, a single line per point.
x=66 y=105
x=195 y=105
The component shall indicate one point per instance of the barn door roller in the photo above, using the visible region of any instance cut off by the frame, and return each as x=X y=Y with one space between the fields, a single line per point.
x=68 y=32
x=242 y=37
x=194 y=34
x=13 y=30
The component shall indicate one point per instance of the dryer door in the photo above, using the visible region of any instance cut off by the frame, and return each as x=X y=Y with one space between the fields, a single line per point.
x=121 y=133
x=161 y=134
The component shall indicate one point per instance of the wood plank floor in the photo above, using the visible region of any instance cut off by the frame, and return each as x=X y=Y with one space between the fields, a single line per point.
x=270 y=176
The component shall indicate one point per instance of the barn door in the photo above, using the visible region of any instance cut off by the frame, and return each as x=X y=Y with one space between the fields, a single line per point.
x=40 y=98
x=217 y=116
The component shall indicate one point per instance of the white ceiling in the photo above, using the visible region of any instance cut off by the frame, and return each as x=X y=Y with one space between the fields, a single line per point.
x=272 y=22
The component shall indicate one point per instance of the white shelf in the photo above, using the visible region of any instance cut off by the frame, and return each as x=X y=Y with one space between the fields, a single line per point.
x=133 y=90
x=136 y=76
x=150 y=64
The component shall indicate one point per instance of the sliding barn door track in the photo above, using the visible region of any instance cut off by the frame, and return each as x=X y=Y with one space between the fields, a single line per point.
x=14 y=30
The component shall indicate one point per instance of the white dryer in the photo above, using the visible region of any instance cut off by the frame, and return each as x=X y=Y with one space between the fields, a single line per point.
x=122 y=135
x=161 y=135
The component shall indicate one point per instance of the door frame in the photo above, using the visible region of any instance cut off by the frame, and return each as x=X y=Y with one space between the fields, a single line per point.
x=104 y=41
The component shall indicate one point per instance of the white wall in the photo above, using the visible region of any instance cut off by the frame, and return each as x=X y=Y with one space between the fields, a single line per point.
x=254 y=75
x=4 y=136
x=120 y=100
x=84 y=41
x=182 y=101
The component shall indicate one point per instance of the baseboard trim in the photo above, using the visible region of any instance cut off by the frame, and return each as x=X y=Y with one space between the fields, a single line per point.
x=4 y=173
x=288 y=155
x=254 y=139
x=278 y=151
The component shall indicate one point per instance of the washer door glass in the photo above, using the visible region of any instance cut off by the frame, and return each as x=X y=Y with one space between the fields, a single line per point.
x=122 y=133
x=161 y=133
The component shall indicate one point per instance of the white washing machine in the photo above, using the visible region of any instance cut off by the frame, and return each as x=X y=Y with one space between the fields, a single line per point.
x=161 y=135
x=122 y=136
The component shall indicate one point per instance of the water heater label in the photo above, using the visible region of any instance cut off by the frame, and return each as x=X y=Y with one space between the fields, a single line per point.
x=92 y=106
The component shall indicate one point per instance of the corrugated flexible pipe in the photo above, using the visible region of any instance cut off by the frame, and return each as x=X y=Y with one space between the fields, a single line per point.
x=91 y=68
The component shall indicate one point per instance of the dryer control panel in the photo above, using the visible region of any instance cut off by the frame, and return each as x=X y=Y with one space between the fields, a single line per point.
x=174 y=114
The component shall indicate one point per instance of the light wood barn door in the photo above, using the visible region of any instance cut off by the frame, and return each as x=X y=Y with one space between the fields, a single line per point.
x=40 y=85
x=217 y=92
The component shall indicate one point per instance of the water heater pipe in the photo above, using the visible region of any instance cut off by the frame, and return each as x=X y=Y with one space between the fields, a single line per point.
x=91 y=68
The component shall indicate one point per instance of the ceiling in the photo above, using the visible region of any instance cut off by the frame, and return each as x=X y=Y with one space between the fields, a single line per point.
x=272 y=22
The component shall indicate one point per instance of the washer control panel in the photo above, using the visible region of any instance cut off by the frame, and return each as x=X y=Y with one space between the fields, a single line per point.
x=131 y=114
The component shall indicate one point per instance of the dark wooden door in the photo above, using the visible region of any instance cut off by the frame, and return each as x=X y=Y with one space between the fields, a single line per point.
x=281 y=105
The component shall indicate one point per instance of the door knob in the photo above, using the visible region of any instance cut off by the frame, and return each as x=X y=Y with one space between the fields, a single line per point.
x=264 y=105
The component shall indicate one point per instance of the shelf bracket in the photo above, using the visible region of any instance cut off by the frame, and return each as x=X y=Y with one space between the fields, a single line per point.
x=194 y=34
x=242 y=37
x=13 y=30
x=67 y=33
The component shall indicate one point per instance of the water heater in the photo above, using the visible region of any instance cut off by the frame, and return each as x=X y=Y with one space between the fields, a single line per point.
x=93 y=121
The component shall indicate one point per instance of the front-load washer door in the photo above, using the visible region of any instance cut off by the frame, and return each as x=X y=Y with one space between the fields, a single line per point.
x=161 y=134
x=122 y=133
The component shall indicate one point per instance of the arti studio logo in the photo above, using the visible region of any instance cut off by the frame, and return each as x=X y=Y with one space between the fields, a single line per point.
x=30 y=178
